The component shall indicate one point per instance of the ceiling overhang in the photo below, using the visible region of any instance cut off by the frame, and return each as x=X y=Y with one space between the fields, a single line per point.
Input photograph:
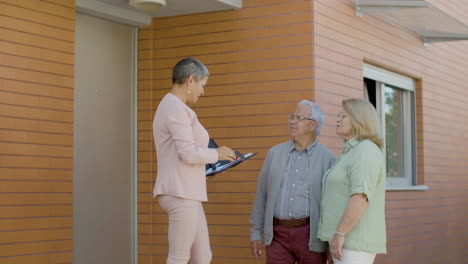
x=120 y=10
x=431 y=23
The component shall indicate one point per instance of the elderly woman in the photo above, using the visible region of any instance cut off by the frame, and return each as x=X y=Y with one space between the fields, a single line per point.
x=182 y=151
x=352 y=216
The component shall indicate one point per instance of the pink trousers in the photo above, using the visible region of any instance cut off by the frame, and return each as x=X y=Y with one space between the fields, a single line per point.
x=188 y=231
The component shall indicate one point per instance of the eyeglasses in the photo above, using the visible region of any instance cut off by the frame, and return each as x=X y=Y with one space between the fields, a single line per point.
x=341 y=116
x=299 y=117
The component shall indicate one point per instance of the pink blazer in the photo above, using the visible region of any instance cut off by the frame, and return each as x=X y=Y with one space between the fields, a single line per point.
x=182 y=150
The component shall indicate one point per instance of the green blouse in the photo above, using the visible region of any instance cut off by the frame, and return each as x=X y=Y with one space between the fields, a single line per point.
x=359 y=169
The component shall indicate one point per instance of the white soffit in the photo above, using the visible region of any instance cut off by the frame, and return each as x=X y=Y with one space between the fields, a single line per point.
x=420 y=16
x=120 y=10
x=113 y=12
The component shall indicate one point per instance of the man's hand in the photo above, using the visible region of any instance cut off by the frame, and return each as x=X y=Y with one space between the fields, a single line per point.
x=256 y=247
x=336 y=246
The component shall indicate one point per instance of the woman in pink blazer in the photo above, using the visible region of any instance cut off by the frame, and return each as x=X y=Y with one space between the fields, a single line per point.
x=182 y=151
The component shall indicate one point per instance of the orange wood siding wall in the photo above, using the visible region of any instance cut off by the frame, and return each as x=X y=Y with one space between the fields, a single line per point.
x=36 y=130
x=425 y=226
x=260 y=60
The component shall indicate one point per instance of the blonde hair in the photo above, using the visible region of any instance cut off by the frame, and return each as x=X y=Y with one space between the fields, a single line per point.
x=364 y=120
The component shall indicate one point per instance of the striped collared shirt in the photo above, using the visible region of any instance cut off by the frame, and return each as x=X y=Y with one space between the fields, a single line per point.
x=293 y=197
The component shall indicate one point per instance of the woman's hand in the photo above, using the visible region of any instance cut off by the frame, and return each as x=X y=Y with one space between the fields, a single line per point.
x=225 y=153
x=336 y=246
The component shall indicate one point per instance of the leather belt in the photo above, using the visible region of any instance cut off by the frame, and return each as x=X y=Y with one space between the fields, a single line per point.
x=291 y=222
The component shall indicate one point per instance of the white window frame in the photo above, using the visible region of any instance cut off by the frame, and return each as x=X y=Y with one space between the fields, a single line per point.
x=385 y=78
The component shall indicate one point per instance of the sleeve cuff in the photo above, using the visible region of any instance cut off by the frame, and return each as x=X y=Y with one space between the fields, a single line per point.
x=255 y=236
x=213 y=156
x=361 y=188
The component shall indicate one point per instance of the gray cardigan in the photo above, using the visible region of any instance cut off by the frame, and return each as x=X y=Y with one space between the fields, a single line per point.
x=268 y=185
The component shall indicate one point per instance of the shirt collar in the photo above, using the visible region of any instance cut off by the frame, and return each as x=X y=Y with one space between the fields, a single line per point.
x=350 y=144
x=292 y=146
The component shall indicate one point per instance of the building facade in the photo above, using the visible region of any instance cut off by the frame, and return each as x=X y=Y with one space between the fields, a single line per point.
x=263 y=59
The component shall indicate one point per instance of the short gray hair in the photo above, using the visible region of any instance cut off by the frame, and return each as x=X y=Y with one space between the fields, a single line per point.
x=186 y=67
x=316 y=113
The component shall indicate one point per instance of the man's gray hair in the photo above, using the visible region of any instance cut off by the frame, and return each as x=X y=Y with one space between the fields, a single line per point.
x=186 y=67
x=316 y=113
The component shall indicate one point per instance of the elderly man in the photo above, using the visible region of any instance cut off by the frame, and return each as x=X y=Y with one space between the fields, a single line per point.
x=285 y=213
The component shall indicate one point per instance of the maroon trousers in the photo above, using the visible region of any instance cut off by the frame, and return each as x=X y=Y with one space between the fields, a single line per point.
x=291 y=245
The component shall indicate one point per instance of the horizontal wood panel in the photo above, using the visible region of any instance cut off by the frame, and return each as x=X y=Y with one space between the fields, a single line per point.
x=231 y=122
x=261 y=76
x=260 y=3
x=35 y=174
x=243 y=66
x=150 y=155
x=215 y=241
x=428 y=231
x=35 y=150
x=36 y=248
x=245 y=167
x=36 y=17
x=145 y=32
x=36 y=40
x=30 y=88
x=65 y=3
x=263 y=131
x=248 y=99
x=217 y=251
x=226 y=176
x=36 y=106
x=35 y=211
x=55 y=140
x=36 y=53
x=35 y=198
x=382 y=34
x=38 y=113
x=236 y=143
x=238 y=25
x=154 y=258
x=239 y=110
x=209 y=207
x=233 y=57
x=252 y=44
x=432 y=245
x=235 y=88
x=35 y=101
x=419 y=224
x=35 y=187
x=214 y=197
x=36 y=77
x=62 y=257
x=34 y=223
x=31 y=126
x=35 y=236
x=36 y=65
x=36 y=162
x=304 y=26
x=215 y=219
x=342 y=42
x=215 y=230
x=45 y=7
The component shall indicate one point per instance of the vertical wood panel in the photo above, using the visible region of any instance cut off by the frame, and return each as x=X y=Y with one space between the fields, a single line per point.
x=269 y=54
x=260 y=65
x=36 y=91
x=420 y=224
